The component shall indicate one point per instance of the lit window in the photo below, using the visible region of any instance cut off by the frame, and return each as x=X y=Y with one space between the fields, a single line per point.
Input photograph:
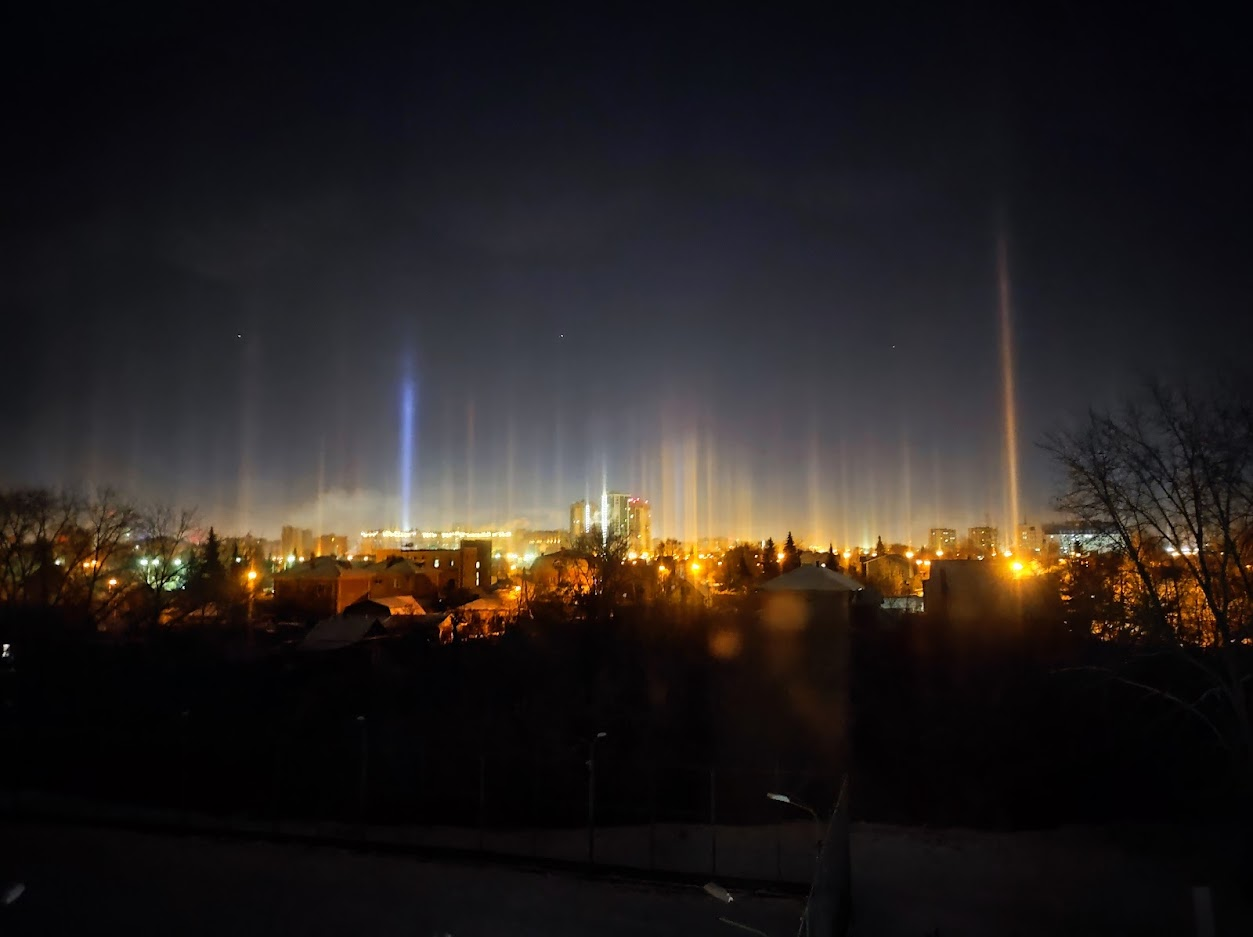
x=437 y=564
x=477 y=563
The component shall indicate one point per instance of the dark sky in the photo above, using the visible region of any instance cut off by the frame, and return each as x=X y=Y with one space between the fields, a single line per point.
x=743 y=263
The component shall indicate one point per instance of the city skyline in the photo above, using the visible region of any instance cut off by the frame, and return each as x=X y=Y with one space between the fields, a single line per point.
x=801 y=277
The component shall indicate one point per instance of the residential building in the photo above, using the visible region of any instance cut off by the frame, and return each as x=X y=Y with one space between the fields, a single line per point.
x=617 y=514
x=983 y=540
x=942 y=540
x=335 y=545
x=467 y=567
x=297 y=542
x=639 y=526
x=615 y=510
x=320 y=587
x=1030 y=539
x=1075 y=538
x=580 y=519
x=538 y=542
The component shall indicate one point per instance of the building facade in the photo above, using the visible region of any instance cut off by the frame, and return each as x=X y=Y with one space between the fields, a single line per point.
x=639 y=526
x=580 y=519
x=296 y=542
x=983 y=540
x=1029 y=539
x=335 y=545
x=942 y=540
x=468 y=567
x=1075 y=539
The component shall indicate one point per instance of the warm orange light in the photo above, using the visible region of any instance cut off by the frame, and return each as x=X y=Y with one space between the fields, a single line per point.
x=252 y=575
x=112 y=583
x=696 y=567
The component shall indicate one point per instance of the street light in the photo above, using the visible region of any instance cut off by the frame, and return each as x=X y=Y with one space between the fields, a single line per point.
x=785 y=799
x=591 y=797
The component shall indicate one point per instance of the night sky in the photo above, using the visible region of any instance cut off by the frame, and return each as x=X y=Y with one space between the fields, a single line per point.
x=742 y=263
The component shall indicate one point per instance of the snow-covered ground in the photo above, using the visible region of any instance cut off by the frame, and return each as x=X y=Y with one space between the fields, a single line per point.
x=1073 y=882
x=93 y=881
x=906 y=881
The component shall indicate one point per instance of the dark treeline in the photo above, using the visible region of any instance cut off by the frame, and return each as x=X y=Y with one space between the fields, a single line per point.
x=991 y=726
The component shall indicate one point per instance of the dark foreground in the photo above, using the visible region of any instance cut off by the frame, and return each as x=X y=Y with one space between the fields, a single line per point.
x=81 y=881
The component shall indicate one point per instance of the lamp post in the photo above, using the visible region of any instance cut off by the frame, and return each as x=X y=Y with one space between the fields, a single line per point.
x=591 y=797
x=252 y=592
x=785 y=799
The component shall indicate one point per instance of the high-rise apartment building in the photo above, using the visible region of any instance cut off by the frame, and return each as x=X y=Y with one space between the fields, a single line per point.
x=616 y=514
x=580 y=519
x=639 y=526
x=615 y=511
x=942 y=540
x=297 y=542
x=983 y=540
x=1030 y=539
x=335 y=545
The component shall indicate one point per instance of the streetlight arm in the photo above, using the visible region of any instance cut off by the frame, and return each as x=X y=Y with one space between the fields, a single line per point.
x=785 y=799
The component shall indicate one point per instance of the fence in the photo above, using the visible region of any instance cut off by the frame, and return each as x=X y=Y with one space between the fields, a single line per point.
x=592 y=803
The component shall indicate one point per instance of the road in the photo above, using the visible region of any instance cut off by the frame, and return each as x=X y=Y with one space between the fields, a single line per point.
x=93 y=880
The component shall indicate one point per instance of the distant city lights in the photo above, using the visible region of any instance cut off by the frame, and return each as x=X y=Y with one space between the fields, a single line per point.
x=437 y=534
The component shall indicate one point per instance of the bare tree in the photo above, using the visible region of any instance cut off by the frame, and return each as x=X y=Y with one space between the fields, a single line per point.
x=162 y=548
x=36 y=527
x=606 y=553
x=1171 y=475
x=66 y=551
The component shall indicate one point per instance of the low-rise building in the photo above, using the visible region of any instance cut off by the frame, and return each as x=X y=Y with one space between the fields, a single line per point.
x=320 y=588
x=1077 y=538
x=468 y=567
